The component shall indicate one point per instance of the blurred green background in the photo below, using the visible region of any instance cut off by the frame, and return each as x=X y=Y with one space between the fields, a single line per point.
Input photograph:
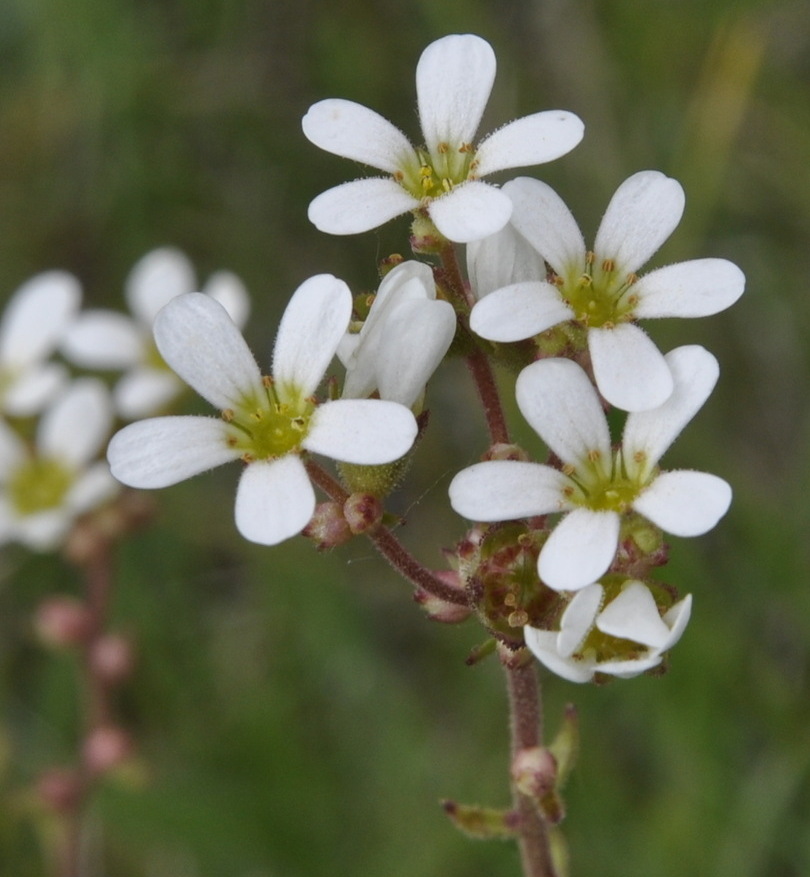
x=295 y=713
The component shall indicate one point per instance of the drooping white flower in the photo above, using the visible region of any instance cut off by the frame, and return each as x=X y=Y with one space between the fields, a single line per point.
x=33 y=323
x=266 y=422
x=44 y=488
x=597 y=486
x=622 y=635
x=600 y=289
x=105 y=339
x=454 y=78
x=403 y=339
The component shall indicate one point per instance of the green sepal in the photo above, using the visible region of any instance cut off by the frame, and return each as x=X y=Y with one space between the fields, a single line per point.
x=482 y=823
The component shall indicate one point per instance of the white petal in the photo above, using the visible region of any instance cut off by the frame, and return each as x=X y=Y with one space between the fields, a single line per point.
x=166 y=450
x=633 y=615
x=648 y=434
x=76 y=426
x=631 y=667
x=543 y=645
x=454 y=78
x=580 y=548
x=360 y=205
x=43 y=531
x=274 y=500
x=34 y=388
x=689 y=289
x=155 y=280
x=505 y=490
x=578 y=619
x=470 y=211
x=198 y=339
x=519 y=311
x=642 y=214
x=685 y=503
x=353 y=131
x=103 y=340
x=92 y=489
x=676 y=619
x=559 y=402
x=541 y=216
x=226 y=288
x=36 y=316
x=364 y=431
x=630 y=371
x=531 y=140
x=415 y=343
x=501 y=259
x=12 y=450
x=145 y=392
x=313 y=323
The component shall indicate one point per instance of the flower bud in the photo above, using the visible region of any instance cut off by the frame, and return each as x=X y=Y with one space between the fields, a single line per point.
x=504 y=451
x=61 y=622
x=534 y=771
x=328 y=527
x=60 y=789
x=363 y=512
x=105 y=748
x=112 y=658
x=441 y=610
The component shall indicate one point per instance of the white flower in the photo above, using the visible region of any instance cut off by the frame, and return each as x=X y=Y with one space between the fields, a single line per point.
x=266 y=422
x=454 y=78
x=597 y=486
x=634 y=635
x=44 y=489
x=600 y=290
x=33 y=323
x=102 y=339
x=404 y=338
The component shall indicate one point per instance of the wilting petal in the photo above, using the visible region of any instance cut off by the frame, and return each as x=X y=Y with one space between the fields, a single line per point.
x=274 y=500
x=75 y=427
x=506 y=490
x=689 y=289
x=685 y=503
x=359 y=205
x=543 y=645
x=313 y=323
x=364 y=431
x=145 y=391
x=198 y=339
x=470 y=211
x=454 y=78
x=543 y=218
x=630 y=371
x=102 y=340
x=578 y=619
x=531 y=140
x=580 y=548
x=155 y=280
x=519 y=311
x=353 y=131
x=648 y=434
x=165 y=450
x=559 y=402
x=501 y=259
x=642 y=214
x=633 y=615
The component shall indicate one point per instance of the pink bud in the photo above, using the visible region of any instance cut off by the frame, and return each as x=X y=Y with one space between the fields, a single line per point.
x=112 y=658
x=363 y=512
x=62 y=621
x=534 y=771
x=328 y=527
x=106 y=747
x=440 y=610
x=60 y=788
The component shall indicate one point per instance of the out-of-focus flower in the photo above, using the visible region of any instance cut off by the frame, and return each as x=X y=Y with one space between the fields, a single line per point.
x=597 y=487
x=32 y=326
x=103 y=339
x=623 y=634
x=600 y=289
x=266 y=422
x=45 y=488
x=454 y=78
x=404 y=338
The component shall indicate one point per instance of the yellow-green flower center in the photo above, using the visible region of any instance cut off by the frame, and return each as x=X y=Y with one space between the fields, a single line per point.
x=39 y=485
x=602 y=488
x=600 y=296
x=435 y=174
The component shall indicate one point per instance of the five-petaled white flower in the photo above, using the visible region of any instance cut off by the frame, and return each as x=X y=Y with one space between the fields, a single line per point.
x=102 y=339
x=620 y=634
x=266 y=422
x=597 y=486
x=45 y=488
x=33 y=324
x=600 y=289
x=454 y=78
x=403 y=339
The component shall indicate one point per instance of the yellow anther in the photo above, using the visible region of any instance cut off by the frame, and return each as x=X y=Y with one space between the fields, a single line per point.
x=257 y=416
x=443 y=148
x=399 y=176
x=510 y=600
x=568 y=469
x=426 y=170
x=589 y=257
x=247 y=457
x=632 y=278
x=586 y=280
x=594 y=455
x=640 y=457
x=446 y=185
x=267 y=381
x=228 y=415
x=518 y=618
x=608 y=265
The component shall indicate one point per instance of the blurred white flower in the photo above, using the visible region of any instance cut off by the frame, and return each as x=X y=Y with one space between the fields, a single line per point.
x=597 y=486
x=104 y=339
x=32 y=326
x=266 y=422
x=403 y=339
x=623 y=636
x=45 y=488
x=600 y=290
x=454 y=78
